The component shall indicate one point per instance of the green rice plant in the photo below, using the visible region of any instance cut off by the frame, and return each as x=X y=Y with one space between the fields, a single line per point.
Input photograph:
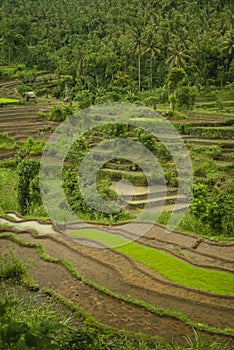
x=172 y=268
x=180 y=272
x=7 y=101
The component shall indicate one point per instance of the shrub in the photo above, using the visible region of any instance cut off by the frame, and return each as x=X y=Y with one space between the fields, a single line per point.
x=221 y=212
x=27 y=76
x=43 y=92
x=84 y=98
x=198 y=205
x=175 y=77
x=7 y=142
x=23 y=88
x=151 y=101
x=33 y=147
x=8 y=189
x=22 y=335
x=43 y=115
x=27 y=169
x=186 y=97
x=59 y=113
x=172 y=100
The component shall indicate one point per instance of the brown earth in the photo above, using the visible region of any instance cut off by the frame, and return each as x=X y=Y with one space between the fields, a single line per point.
x=122 y=275
x=24 y=121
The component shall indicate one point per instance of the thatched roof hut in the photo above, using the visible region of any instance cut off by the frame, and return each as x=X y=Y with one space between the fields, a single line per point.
x=29 y=95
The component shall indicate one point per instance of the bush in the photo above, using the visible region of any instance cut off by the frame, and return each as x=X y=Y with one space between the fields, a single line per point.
x=186 y=97
x=33 y=147
x=23 y=88
x=43 y=115
x=27 y=76
x=221 y=212
x=84 y=98
x=151 y=101
x=198 y=205
x=6 y=72
x=27 y=170
x=43 y=92
x=8 y=189
x=59 y=113
x=172 y=100
x=7 y=142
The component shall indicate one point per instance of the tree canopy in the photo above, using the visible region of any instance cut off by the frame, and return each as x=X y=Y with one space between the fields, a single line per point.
x=120 y=44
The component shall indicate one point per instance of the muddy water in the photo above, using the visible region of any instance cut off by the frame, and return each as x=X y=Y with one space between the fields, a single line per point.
x=20 y=224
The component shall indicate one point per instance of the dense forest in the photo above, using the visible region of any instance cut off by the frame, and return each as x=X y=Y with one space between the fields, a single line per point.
x=120 y=46
x=149 y=52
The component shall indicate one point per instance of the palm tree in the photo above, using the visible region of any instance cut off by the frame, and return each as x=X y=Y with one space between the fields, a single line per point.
x=178 y=56
x=137 y=44
x=152 y=45
x=228 y=43
x=137 y=30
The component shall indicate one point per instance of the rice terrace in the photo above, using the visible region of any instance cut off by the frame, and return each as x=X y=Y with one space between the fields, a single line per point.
x=116 y=175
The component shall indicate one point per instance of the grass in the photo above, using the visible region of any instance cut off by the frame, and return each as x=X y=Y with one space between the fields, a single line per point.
x=7 y=142
x=11 y=268
x=198 y=343
x=170 y=267
x=8 y=190
x=76 y=329
x=6 y=101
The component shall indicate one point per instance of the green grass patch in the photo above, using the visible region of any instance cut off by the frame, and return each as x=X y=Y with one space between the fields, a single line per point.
x=11 y=267
x=100 y=236
x=170 y=267
x=136 y=178
x=7 y=101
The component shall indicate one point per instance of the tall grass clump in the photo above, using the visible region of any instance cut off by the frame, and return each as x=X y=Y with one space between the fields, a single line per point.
x=10 y=267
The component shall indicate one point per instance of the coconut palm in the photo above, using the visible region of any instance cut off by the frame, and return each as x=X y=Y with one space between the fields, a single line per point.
x=228 y=43
x=152 y=44
x=137 y=44
x=178 y=56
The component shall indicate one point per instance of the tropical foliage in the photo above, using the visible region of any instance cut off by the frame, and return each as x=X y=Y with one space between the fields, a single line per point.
x=110 y=48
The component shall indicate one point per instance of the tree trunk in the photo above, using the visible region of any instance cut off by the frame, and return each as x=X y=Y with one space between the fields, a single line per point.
x=139 y=71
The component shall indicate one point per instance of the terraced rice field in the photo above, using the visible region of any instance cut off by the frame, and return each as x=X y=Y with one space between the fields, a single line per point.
x=114 y=286
x=22 y=122
x=121 y=291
